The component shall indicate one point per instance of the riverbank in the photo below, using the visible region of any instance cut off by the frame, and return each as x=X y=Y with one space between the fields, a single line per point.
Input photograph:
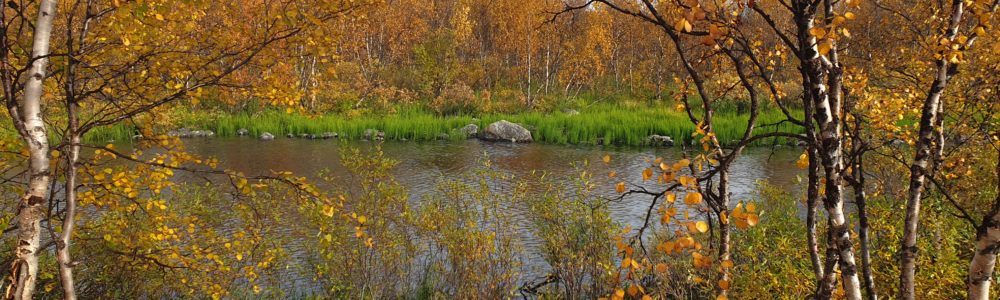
x=612 y=125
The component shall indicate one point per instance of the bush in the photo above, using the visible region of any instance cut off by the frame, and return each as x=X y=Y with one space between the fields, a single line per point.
x=456 y=98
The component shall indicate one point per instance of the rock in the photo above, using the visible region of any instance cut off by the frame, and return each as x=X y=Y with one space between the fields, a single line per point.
x=181 y=133
x=600 y=141
x=137 y=137
x=328 y=135
x=470 y=131
x=801 y=143
x=373 y=134
x=443 y=136
x=303 y=135
x=242 y=132
x=202 y=133
x=290 y=135
x=660 y=140
x=570 y=111
x=311 y=136
x=506 y=131
x=188 y=133
x=267 y=136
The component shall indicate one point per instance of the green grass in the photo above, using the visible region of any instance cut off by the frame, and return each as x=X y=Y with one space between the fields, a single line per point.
x=614 y=124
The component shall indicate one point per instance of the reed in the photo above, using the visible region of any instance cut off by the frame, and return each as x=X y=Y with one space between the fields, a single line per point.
x=617 y=125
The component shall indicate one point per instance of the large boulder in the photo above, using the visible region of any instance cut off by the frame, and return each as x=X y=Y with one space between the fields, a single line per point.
x=267 y=136
x=660 y=140
x=470 y=131
x=506 y=131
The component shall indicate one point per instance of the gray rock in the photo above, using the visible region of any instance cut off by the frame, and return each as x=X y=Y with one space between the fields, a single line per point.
x=312 y=136
x=570 y=111
x=660 y=140
x=267 y=136
x=188 y=133
x=242 y=132
x=181 y=133
x=470 y=131
x=328 y=135
x=600 y=141
x=303 y=135
x=290 y=135
x=443 y=136
x=506 y=131
x=373 y=134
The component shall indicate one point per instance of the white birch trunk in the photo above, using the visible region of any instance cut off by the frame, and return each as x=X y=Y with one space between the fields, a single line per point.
x=32 y=204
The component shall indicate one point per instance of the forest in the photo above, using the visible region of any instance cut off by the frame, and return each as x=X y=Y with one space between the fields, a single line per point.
x=499 y=149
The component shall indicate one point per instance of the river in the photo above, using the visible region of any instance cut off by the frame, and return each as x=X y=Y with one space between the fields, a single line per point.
x=421 y=166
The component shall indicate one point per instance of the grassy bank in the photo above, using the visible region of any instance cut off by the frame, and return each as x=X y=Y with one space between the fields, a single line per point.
x=614 y=124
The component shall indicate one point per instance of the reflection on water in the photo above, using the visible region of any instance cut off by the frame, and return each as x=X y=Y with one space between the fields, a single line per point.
x=422 y=165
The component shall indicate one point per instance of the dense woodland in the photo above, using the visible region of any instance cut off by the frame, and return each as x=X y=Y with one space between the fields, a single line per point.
x=893 y=105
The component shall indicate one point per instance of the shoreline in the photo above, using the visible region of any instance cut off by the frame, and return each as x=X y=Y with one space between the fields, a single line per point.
x=615 y=126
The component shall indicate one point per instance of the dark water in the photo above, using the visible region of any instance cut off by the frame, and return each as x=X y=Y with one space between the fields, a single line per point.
x=421 y=166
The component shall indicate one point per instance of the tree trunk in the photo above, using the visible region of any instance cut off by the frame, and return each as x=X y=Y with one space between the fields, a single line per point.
x=63 y=257
x=812 y=205
x=984 y=260
x=827 y=100
x=918 y=170
x=31 y=207
x=860 y=200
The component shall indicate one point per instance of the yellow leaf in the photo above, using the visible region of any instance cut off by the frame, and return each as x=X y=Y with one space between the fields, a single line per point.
x=824 y=47
x=728 y=264
x=647 y=174
x=849 y=16
x=839 y=20
x=682 y=25
x=661 y=267
x=671 y=197
x=818 y=32
x=607 y=158
x=632 y=290
x=692 y=198
x=701 y=226
x=724 y=284
x=803 y=161
x=159 y=17
x=620 y=187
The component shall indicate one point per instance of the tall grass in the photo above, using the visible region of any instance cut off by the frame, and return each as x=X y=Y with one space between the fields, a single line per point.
x=613 y=124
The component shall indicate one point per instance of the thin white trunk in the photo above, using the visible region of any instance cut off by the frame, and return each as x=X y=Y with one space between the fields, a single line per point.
x=32 y=204
x=984 y=260
x=922 y=157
